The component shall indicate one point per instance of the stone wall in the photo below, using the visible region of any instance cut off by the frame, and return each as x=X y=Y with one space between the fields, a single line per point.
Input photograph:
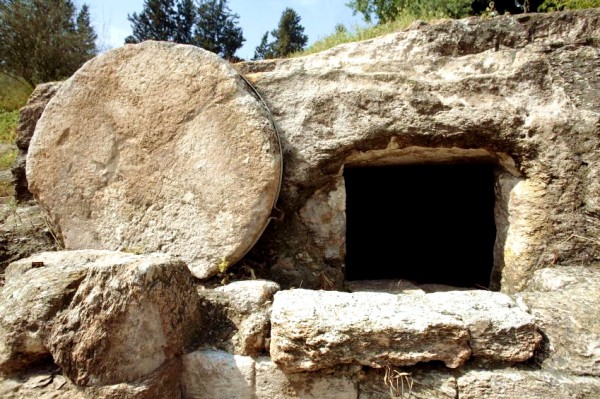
x=521 y=93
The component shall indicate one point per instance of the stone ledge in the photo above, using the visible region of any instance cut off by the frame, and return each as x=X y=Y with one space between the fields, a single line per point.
x=312 y=330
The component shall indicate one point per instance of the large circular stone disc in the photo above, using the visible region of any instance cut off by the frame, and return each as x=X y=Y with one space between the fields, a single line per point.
x=157 y=147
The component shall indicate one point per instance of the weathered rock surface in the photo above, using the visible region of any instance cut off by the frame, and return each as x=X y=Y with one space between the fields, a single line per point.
x=23 y=232
x=129 y=315
x=273 y=383
x=236 y=317
x=511 y=384
x=28 y=117
x=564 y=301
x=217 y=375
x=49 y=383
x=521 y=92
x=157 y=147
x=319 y=329
x=32 y=298
x=498 y=329
x=416 y=382
x=311 y=330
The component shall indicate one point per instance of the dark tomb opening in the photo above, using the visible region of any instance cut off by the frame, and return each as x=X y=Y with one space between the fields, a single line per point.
x=431 y=224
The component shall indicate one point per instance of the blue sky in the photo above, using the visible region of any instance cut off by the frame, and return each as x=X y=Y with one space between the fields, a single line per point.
x=319 y=18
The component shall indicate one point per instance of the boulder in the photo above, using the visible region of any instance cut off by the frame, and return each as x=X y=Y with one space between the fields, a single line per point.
x=273 y=383
x=129 y=315
x=319 y=329
x=524 y=384
x=217 y=375
x=564 y=302
x=37 y=289
x=28 y=117
x=237 y=316
x=157 y=147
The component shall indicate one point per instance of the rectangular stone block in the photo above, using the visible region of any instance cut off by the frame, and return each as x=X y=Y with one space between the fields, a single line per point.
x=217 y=375
x=273 y=383
x=319 y=329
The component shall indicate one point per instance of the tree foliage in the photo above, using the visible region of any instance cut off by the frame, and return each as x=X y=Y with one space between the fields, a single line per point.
x=558 y=5
x=384 y=11
x=44 y=40
x=210 y=25
x=216 y=29
x=288 y=38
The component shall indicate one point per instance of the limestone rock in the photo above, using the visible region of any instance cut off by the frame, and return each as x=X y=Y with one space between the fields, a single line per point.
x=157 y=147
x=237 y=316
x=48 y=383
x=498 y=329
x=511 y=383
x=217 y=375
x=564 y=301
x=414 y=382
x=37 y=289
x=273 y=383
x=520 y=92
x=28 y=117
x=128 y=316
x=319 y=329
x=163 y=382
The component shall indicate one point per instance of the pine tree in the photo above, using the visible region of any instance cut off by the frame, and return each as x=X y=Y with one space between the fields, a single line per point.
x=157 y=21
x=264 y=50
x=216 y=29
x=289 y=35
x=43 y=40
x=186 y=20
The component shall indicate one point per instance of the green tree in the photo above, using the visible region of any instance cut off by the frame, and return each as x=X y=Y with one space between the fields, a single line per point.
x=157 y=21
x=265 y=49
x=388 y=10
x=217 y=29
x=44 y=40
x=186 y=20
x=289 y=35
x=288 y=38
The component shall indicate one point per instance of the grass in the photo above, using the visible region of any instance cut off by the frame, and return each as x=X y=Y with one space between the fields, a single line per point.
x=8 y=126
x=13 y=93
x=343 y=35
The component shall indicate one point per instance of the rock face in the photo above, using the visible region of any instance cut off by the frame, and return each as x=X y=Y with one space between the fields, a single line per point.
x=511 y=383
x=157 y=147
x=319 y=329
x=32 y=298
x=23 y=232
x=127 y=318
x=237 y=317
x=105 y=317
x=564 y=301
x=520 y=92
x=28 y=118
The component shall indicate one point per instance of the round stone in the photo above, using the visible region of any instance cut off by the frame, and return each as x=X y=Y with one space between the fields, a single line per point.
x=157 y=147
